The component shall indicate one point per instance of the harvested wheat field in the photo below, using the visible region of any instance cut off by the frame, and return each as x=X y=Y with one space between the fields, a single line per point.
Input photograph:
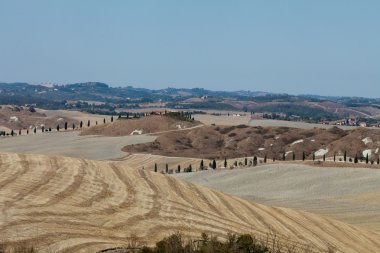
x=66 y=204
x=351 y=195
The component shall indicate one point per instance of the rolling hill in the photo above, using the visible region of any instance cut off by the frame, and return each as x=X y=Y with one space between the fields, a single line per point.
x=66 y=204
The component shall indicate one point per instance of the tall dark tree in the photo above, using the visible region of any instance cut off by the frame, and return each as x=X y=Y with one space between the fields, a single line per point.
x=167 y=168
x=294 y=156
x=73 y=126
x=313 y=156
x=12 y=133
x=155 y=167
x=378 y=160
x=201 y=166
x=96 y=122
x=88 y=123
x=334 y=158
x=190 y=168
x=179 y=168
x=254 y=160
x=345 y=156
x=245 y=161
x=58 y=128
x=214 y=164
x=225 y=162
x=43 y=129
x=356 y=159
x=111 y=118
x=65 y=125
x=366 y=159
x=19 y=132
x=27 y=131
x=303 y=156
x=81 y=124
x=274 y=158
x=236 y=163
x=119 y=117
x=283 y=156
x=324 y=157
x=265 y=159
x=104 y=120
x=35 y=130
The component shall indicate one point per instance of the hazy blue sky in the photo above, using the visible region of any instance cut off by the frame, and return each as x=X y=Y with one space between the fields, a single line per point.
x=329 y=47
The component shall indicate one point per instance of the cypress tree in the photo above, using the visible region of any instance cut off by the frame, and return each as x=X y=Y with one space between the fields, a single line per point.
x=245 y=161
x=313 y=156
x=96 y=122
x=356 y=159
x=265 y=159
x=190 y=169
x=81 y=124
x=294 y=156
x=12 y=132
x=65 y=125
x=324 y=157
x=236 y=163
x=254 y=160
x=283 y=156
x=201 y=166
x=225 y=162
x=19 y=132
x=345 y=156
x=35 y=130
x=378 y=160
x=88 y=123
x=366 y=159
x=104 y=120
x=274 y=158
x=214 y=164
x=43 y=129
x=58 y=128
x=179 y=168
x=303 y=156
x=73 y=126
x=167 y=168
x=111 y=118
x=155 y=167
x=27 y=131
x=49 y=129
x=334 y=158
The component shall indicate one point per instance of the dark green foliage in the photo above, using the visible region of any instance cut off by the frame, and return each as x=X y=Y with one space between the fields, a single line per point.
x=265 y=159
x=214 y=164
x=35 y=129
x=81 y=124
x=12 y=133
x=73 y=126
x=314 y=157
x=283 y=156
x=111 y=118
x=155 y=167
x=234 y=244
x=254 y=160
x=167 y=168
x=303 y=156
x=201 y=166
x=104 y=120
x=65 y=125
x=334 y=158
x=245 y=162
x=366 y=159
x=356 y=159
x=88 y=123
x=58 y=128
x=179 y=168
x=324 y=158
x=294 y=156
x=345 y=156
x=19 y=132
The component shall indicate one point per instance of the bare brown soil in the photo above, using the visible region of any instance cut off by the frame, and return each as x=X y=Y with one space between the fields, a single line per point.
x=62 y=204
x=150 y=124
x=16 y=118
x=221 y=142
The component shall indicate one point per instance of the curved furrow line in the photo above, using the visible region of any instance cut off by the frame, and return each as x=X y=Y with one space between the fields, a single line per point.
x=24 y=167
x=71 y=188
x=154 y=210
x=174 y=186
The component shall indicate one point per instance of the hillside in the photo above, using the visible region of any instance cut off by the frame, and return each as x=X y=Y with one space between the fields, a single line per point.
x=72 y=205
x=240 y=141
x=151 y=124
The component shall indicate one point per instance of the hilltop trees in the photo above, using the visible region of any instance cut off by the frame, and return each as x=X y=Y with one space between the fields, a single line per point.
x=35 y=130
x=294 y=156
x=19 y=132
x=345 y=156
x=66 y=126
x=254 y=160
x=303 y=156
x=366 y=159
x=155 y=167
x=43 y=129
x=179 y=168
x=214 y=164
x=225 y=162
x=356 y=159
x=201 y=165
x=58 y=128
x=73 y=126
x=88 y=123
x=313 y=156
x=111 y=118
x=265 y=159
x=81 y=124
x=104 y=120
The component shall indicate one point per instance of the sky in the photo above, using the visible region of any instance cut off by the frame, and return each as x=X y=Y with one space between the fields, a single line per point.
x=324 y=47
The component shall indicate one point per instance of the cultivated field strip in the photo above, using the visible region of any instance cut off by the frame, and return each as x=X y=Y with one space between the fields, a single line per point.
x=66 y=204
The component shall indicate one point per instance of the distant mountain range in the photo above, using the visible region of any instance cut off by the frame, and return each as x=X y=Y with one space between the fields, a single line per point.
x=81 y=96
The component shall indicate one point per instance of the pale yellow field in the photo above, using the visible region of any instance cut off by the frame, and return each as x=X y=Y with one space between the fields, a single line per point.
x=73 y=205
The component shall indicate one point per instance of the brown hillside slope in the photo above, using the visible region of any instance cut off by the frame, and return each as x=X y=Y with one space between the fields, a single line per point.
x=240 y=141
x=151 y=124
x=73 y=205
